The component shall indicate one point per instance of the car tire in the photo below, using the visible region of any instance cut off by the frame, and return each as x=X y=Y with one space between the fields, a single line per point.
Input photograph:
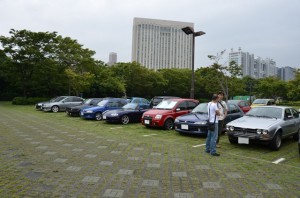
x=125 y=119
x=232 y=140
x=296 y=136
x=55 y=109
x=168 y=125
x=276 y=142
x=98 y=116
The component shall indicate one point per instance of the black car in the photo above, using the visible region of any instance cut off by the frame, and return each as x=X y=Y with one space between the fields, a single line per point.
x=131 y=112
x=157 y=99
x=196 y=121
x=75 y=111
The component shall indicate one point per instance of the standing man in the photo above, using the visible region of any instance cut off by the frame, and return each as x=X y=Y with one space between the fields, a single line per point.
x=223 y=113
x=212 y=135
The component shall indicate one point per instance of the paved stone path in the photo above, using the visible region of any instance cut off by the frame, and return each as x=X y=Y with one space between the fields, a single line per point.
x=43 y=158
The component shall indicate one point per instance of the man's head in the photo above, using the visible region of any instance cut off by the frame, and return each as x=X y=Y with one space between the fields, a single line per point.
x=215 y=97
x=221 y=95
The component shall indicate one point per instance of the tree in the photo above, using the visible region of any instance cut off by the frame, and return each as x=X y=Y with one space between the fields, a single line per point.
x=271 y=87
x=293 y=87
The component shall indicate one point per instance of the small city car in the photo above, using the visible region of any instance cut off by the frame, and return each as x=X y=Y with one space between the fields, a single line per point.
x=265 y=124
x=62 y=103
x=75 y=110
x=196 y=121
x=262 y=102
x=95 y=113
x=131 y=112
x=164 y=114
x=243 y=104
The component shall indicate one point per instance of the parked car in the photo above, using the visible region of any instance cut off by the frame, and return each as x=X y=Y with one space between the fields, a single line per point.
x=62 y=103
x=157 y=99
x=164 y=114
x=38 y=106
x=104 y=105
x=263 y=102
x=196 y=121
x=131 y=112
x=266 y=124
x=243 y=104
x=143 y=103
x=75 y=110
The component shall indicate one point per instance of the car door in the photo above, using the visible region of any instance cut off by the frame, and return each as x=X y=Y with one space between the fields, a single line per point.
x=65 y=103
x=289 y=122
x=296 y=120
x=181 y=109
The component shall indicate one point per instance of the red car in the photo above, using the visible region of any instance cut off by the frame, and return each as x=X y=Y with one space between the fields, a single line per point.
x=164 y=114
x=243 y=104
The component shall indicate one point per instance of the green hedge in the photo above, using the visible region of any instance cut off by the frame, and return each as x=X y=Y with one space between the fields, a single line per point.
x=28 y=101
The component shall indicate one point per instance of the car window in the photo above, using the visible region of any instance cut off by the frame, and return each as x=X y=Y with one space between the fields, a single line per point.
x=113 y=104
x=145 y=101
x=233 y=109
x=191 y=105
x=295 y=113
x=136 y=100
x=182 y=106
x=68 y=100
x=242 y=104
x=76 y=99
x=287 y=113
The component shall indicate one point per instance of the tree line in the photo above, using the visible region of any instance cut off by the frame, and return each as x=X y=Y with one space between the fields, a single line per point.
x=45 y=64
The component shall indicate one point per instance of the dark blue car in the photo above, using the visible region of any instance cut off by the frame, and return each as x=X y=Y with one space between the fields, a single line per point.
x=132 y=112
x=96 y=112
x=196 y=121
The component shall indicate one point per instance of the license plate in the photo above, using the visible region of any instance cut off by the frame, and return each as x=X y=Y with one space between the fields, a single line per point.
x=104 y=117
x=147 y=121
x=242 y=140
x=185 y=127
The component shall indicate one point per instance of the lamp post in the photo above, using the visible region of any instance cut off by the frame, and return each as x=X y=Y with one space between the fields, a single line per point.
x=189 y=30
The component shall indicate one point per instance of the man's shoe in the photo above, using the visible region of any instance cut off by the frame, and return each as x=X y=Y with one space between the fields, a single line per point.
x=218 y=146
x=207 y=151
x=215 y=154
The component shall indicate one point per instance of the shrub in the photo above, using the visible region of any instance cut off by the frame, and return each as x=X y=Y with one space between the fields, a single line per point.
x=27 y=101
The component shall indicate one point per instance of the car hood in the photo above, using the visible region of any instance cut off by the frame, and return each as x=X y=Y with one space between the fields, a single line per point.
x=193 y=117
x=157 y=111
x=254 y=122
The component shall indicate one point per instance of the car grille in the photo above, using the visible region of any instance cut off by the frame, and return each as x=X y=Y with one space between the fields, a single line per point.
x=245 y=130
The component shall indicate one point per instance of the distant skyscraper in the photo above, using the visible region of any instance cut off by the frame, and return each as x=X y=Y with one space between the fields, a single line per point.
x=253 y=67
x=286 y=73
x=112 y=58
x=158 y=44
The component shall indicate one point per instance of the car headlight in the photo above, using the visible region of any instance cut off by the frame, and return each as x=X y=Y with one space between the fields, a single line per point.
x=229 y=128
x=89 y=111
x=176 y=120
x=203 y=122
x=114 y=114
x=259 y=131
x=265 y=132
x=158 y=117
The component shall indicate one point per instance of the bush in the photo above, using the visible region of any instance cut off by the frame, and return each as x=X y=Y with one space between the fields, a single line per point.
x=27 y=101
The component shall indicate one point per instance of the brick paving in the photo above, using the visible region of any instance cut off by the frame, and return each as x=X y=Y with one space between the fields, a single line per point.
x=44 y=158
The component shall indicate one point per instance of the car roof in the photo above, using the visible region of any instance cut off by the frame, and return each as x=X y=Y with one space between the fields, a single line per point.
x=182 y=99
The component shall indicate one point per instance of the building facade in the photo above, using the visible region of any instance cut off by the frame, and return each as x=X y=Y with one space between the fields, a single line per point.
x=286 y=73
x=112 y=59
x=158 y=44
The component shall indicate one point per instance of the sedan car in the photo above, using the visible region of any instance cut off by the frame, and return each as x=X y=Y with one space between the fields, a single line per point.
x=196 y=121
x=38 y=106
x=75 y=110
x=265 y=124
x=164 y=114
x=95 y=113
x=243 y=104
x=131 y=112
x=62 y=104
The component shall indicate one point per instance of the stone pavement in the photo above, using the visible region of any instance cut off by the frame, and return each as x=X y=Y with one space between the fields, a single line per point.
x=43 y=157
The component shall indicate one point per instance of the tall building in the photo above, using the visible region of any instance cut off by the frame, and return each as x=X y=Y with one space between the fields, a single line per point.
x=253 y=67
x=112 y=59
x=286 y=73
x=158 y=44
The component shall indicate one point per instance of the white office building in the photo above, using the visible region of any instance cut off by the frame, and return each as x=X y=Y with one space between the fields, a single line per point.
x=286 y=73
x=112 y=59
x=158 y=44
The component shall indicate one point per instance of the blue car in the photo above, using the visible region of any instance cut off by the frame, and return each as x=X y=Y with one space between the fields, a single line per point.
x=196 y=121
x=143 y=103
x=132 y=112
x=95 y=113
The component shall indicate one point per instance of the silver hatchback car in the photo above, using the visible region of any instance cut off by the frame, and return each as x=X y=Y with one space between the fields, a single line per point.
x=61 y=103
x=266 y=124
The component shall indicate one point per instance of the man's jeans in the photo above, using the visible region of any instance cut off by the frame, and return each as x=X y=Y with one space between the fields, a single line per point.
x=211 y=140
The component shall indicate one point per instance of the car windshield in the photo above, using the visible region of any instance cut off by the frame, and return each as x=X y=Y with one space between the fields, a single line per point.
x=130 y=106
x=201 y=108
x=57 y=99
x=166 y=104
x=87 y=101
x=265 y=112
x=102 y=103
x=260 y=101
x=233 y=101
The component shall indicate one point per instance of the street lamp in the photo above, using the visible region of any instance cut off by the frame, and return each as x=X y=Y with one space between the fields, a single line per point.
x=189 y=30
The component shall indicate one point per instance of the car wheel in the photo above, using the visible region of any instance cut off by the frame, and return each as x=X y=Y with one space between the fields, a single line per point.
x=296 y=136
x=98 y=116
x=232 y=140
x=55 y=109
x=168 y=124
x=276 y=142
x=125 y=119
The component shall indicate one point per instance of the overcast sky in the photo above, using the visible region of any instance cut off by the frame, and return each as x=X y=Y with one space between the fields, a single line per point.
x=265 y=28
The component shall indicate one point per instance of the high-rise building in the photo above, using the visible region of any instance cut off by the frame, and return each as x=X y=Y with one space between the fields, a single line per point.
x=158 y=44
x=253 y=67
x=286 y=73
x=112 y=58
